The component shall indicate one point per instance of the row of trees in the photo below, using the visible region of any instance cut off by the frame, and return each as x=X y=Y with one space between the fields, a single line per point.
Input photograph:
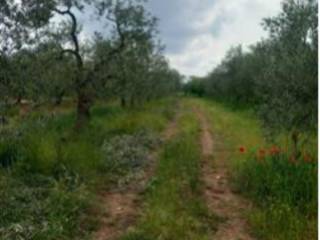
x=278 y=75
x=44 y=54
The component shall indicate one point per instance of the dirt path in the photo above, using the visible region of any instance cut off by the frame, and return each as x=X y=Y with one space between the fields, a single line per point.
x=218 y=194
x=123 y=207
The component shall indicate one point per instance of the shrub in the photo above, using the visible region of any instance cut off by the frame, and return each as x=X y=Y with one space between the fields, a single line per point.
x=40 y=151
x=9 y=148
x=43 y=210
x=128 y=151
x=80 y=155
x=280 y=177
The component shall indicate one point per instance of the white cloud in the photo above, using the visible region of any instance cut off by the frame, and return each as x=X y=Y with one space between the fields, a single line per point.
x=222 y=24
x=198 y=33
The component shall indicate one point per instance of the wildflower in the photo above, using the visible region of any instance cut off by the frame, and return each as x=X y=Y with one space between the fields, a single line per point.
x=261 y=154
x=274 y=150
x=307 y=158
x=292 y=159
x=242 y=149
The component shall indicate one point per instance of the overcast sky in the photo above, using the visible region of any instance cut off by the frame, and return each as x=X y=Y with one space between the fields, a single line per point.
x=197 y=33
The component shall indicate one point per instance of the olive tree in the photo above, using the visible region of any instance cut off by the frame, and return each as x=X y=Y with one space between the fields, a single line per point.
x=290 y=78
x=278 y=76
x=28 y=23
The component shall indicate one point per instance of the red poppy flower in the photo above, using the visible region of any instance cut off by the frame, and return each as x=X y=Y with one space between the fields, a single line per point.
x=307 y=158
x=261 y=154
x=242 y=149
x=274 y=150
x=292 y=159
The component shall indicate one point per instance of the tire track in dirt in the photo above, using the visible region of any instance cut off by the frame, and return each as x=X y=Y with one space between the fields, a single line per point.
x=220 y=198
x=123 y=206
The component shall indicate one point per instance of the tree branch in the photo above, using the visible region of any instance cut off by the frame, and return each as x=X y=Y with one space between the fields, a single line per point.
x=74 y=37
x=121 y=35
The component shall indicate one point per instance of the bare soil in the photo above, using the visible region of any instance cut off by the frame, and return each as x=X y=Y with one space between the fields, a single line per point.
x=122 y=207
x=221 y=200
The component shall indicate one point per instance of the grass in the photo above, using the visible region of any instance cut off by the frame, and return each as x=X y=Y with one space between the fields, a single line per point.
x=153 y=116
x=283 y=187
x=40 y=207
x=49 y=173
x=174 y=206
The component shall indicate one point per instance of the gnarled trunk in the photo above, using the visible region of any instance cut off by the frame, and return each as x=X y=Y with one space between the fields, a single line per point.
x=58 y=98
x=295 y=141
x=123 y=102
x=83 y=109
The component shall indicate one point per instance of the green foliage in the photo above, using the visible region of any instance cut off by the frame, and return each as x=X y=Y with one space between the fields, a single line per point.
x=45 y=209
x=233 y=80
x=140 y=73
x=80 y=155
x=126 y=61
x=40 y=151
x=9 y=148
x=267 y=179
x=270 y=223
x=151 y=116
x=290 y=94
x=286 y=190
x=195 y=87
x=277 y=76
